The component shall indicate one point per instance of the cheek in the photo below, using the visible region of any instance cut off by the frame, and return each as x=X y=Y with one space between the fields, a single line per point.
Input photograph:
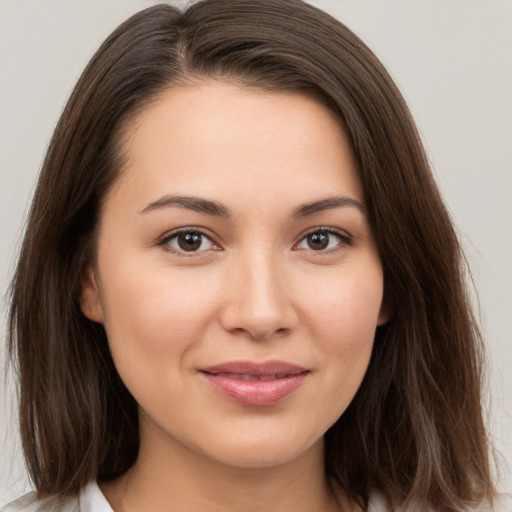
x=345 y=304
x=352 y=319
x=153 y=313
x=343 y=315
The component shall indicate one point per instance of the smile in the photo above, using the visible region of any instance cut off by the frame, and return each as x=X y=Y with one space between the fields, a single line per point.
x=255 y=384
x=241 y=376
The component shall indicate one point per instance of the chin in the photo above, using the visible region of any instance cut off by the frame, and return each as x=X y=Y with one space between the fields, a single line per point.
x=264 y=453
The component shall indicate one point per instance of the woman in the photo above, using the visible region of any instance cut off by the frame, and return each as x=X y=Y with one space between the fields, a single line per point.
x=239 y=288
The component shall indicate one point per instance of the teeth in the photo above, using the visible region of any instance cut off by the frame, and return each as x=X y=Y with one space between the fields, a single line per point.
x=240 y=376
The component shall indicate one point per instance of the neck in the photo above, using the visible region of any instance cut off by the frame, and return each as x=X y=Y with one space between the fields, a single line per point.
x=168 y=475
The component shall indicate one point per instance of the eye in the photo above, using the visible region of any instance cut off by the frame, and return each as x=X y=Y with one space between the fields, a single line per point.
x=323 y=240
x=188 y=241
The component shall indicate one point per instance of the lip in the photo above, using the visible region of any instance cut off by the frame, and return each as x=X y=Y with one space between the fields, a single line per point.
x=255 y=384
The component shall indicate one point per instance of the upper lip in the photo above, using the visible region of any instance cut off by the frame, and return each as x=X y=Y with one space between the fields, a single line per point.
x=267 y=368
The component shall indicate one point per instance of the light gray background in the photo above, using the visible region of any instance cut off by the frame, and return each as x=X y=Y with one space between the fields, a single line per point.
x=451 y=59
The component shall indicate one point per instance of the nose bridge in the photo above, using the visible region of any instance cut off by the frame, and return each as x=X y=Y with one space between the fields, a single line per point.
x=258 y=303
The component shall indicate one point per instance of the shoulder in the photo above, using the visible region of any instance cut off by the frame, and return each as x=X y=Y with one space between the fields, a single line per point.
x=90 y=499
x=30 y=503
x=502 y=503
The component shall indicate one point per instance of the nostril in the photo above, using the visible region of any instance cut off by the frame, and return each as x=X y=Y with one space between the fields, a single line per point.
x=257 y=304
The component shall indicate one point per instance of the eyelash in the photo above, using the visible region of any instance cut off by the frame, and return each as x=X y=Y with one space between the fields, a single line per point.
x=345 y=240
x=164 y=241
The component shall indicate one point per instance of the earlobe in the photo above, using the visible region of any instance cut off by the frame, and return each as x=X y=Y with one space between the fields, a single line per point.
x=90 y=298
x=386 y=308
x=384 y=316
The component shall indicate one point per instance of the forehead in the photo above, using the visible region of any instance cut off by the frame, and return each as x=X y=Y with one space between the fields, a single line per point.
x=220 y=139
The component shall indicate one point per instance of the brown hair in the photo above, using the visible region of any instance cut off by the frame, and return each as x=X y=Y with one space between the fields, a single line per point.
x=414 y=430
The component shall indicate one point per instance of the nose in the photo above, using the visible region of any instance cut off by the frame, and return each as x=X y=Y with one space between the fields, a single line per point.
x=257 y=303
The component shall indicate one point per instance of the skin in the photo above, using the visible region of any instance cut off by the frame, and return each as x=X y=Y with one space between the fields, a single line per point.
x=254 y=290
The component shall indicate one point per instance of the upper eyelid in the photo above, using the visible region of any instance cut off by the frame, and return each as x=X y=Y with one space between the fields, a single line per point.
x=188 y=229
x=336 y=231
x=346 y=240
x=162 y=240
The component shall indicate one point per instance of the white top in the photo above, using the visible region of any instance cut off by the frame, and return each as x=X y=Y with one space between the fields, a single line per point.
x=91 y=499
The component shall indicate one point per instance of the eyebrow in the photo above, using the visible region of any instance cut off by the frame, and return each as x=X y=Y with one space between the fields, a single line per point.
x=196 y=204
x=216 y=209
x=328 y=204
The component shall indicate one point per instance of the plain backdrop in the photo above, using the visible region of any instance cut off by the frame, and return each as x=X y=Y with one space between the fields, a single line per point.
x=452 y=61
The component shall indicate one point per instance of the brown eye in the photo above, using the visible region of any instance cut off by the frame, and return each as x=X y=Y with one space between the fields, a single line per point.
x=189 y=241
x=323 y=240
x=318 y=241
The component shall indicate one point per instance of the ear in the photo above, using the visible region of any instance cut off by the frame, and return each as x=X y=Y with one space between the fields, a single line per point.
x=386 y=307
x=384 y=316
x=90 y=299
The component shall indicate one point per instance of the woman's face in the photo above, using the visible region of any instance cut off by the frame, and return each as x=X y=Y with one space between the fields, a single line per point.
x=236 y=273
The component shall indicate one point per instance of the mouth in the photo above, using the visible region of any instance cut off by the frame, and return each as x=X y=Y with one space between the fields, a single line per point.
x=255 y=384
x=244 y=376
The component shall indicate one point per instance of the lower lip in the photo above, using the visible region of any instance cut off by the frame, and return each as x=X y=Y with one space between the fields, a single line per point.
x=255 y=392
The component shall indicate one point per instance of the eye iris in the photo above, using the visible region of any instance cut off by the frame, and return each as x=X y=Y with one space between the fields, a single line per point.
x=318 y=240
x=190 y=241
